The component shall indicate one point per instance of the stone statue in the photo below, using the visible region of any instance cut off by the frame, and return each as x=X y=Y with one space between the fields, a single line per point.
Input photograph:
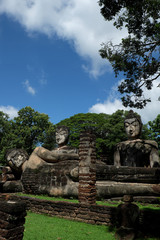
x=136 y=152
x=63 y=152
x=127 y=219
x=15 y=158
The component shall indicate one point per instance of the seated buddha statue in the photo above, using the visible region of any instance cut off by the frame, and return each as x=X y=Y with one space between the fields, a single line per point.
x=136 y=152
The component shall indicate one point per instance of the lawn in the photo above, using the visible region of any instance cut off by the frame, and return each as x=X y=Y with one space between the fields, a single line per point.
x=42 y=227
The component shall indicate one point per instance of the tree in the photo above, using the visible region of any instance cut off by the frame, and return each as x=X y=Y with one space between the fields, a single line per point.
x=154 y=130
x=31 y=129
x=138 y=54
x=5 y=129
x=109 y=130
x=81 y=122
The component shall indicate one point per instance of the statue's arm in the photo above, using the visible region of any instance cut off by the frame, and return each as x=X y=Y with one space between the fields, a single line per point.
x=54 y=156
x=45 y=154
x=117 y=158
x=154 y=157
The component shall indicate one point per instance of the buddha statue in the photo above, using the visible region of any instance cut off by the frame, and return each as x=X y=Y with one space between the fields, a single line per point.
x=62 y=153
x=136 y=152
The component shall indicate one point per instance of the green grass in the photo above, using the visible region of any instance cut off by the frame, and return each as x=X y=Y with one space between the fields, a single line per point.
x=103 y=203
x=42 y=227
x=45 y=197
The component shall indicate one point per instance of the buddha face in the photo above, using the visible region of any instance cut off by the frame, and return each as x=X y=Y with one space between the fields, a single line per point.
x=133 y=128
x=61 y=136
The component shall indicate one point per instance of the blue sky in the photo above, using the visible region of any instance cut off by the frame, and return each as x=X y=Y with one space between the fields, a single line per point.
x=49 y=59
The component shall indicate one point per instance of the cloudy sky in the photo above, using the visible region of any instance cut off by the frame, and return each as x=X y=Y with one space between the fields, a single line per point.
x=49 y=59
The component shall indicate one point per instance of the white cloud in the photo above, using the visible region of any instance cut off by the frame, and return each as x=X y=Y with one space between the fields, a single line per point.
x=10 y=110
x=113 y=103
x=77 y=21
x=28 y=87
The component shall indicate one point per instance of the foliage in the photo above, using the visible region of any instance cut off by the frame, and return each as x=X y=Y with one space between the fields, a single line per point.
x=81 y=122
x=49 y=140
x=109 y=130
x=138 y=54
x=29 y=129
x=62 y=229
x=5 y=128
x=154 y=130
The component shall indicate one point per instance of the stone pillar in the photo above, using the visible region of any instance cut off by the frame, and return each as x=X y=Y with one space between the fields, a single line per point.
x=12 y=219
x=87 y=168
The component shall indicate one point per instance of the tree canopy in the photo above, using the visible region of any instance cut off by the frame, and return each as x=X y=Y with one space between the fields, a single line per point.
x=109 y=130
x=154 y=130
x=31 y=128
x=138 y=55
x=28 y=130
x=5 y=129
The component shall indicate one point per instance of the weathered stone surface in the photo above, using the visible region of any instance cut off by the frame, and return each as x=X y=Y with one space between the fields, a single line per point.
x=127 y=219
x=87 y=168
x=12 y=186
x=61 y=177
x=110 y=189
x=128 y=174
x=6 y=170
x=12 y=218
x=136 y=152
x=15 y=159
x=8 y=177
x=53 y=179
x=41 y=155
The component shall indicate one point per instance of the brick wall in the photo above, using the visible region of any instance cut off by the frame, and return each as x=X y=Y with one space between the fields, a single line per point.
x=12 y=219
x=94 y=214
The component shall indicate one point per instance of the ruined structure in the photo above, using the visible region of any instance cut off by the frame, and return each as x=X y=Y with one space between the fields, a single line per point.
x=136 y=152
x=135 y=169
x=41 y=156
x=51 y=172
x=11 y=173
x=127 y=219
x=64 y=171
x=87 y=168
x=12 y=219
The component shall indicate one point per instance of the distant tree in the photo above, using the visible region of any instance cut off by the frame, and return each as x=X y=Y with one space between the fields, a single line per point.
x=81 y=122
x=154 y=130
x=109 y=130
x=49 y=140
x=30 y=129
x=5 y=129
x=138 y=54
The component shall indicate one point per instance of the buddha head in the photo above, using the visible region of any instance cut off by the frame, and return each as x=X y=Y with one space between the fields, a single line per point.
x=62 y=135
x=133 y=125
